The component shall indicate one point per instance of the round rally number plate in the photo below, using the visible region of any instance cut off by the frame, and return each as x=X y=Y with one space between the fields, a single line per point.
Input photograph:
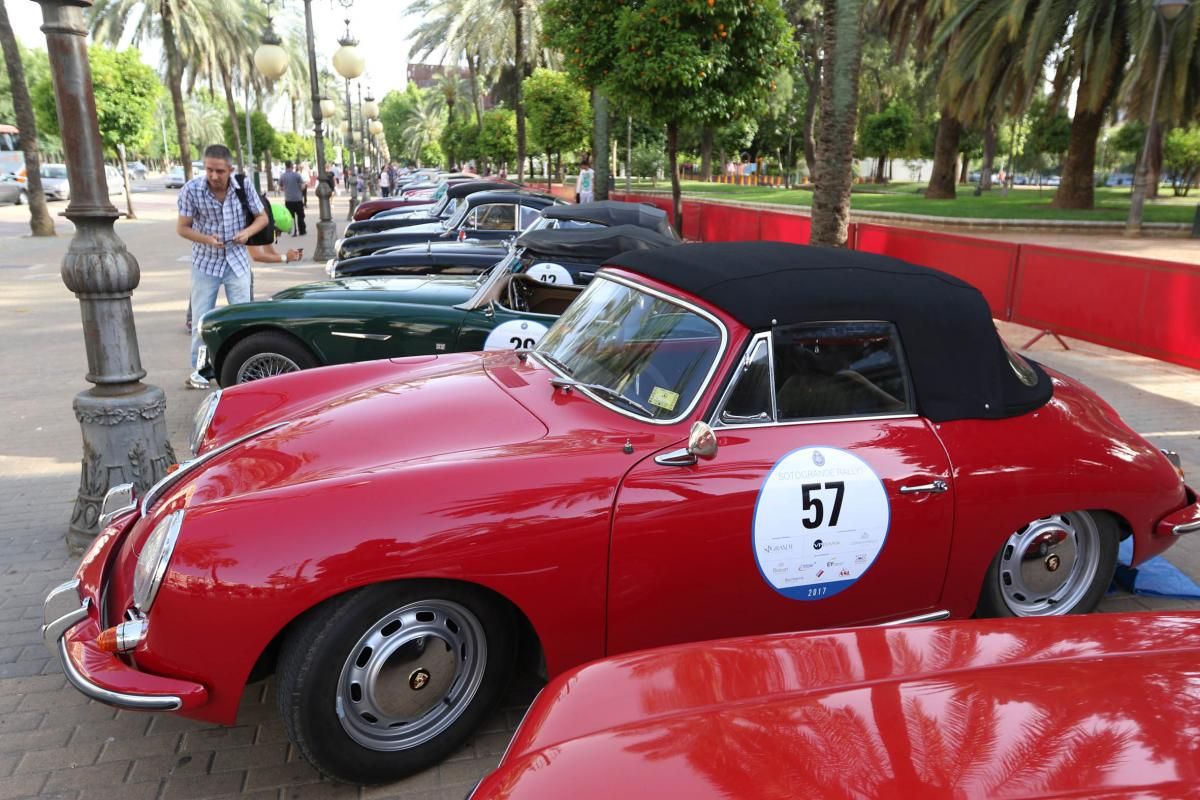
x=820 y=522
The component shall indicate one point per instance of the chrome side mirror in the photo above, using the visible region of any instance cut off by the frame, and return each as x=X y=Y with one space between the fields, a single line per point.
x=702 y=441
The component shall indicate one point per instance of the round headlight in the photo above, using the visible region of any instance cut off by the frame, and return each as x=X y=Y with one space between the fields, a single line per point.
x=204 y=418
x=152 y=563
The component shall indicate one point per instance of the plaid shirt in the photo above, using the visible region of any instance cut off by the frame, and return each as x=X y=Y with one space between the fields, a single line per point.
x=223 y=220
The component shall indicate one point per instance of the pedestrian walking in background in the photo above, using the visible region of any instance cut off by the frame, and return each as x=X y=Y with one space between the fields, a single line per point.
x=306 y=176
x=385 y=182
x=585 y=190
x=293 y=197
x=215 y=220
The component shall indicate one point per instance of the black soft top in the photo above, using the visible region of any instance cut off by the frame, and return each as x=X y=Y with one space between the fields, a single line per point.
x=959 y=367
x=615 y=212
x=459 y=190
x=592 y=244
x=511 y=195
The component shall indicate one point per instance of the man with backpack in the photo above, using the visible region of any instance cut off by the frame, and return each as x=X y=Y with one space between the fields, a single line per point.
x=219 y=217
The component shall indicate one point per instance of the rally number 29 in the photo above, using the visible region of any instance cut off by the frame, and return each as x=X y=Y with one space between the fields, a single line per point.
x=817 y=507
x=522 y=344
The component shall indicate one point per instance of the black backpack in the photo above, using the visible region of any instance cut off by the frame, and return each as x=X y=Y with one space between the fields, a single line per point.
x=267 y=234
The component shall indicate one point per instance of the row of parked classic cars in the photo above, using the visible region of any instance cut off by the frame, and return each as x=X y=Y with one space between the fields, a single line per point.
x=547 y=434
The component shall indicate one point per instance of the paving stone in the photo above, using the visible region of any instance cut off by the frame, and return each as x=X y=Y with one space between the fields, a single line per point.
x=140 y=747
x=217 y=738
x=79 y=755
x=241 y=758
x=153 y=768
x=281 y=775
x=203 y=786
x=111 y=729
x=325 y=790
x=23 y=741
x=82 y=777
x=124 y=791
x=22 y=786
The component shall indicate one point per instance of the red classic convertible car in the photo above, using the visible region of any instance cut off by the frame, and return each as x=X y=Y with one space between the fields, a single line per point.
x=713 y=440
x=1086 y=708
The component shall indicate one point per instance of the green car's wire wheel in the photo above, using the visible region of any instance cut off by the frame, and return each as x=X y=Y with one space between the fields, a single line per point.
x=264 y=354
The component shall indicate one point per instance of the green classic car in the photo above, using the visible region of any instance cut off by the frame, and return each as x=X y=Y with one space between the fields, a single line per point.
x=358 y=319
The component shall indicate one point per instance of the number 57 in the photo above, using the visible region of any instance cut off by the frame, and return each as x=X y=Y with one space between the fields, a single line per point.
x=815 y=505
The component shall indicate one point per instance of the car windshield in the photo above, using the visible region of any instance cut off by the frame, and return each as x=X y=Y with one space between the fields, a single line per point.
x=644 y=354
x=455 y=221
x=54 y=172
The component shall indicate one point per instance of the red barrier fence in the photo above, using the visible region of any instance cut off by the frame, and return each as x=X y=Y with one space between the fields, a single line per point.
x=1136 y=304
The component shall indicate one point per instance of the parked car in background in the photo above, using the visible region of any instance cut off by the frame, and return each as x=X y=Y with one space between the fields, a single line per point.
x=137 y=170
x=116 y=181
x=441 y=209
x=55 y=185
x=12 y=190
x=486 y=300
x=714 y=440
x=176 y=178
x=1082 y=707
x=12 y=157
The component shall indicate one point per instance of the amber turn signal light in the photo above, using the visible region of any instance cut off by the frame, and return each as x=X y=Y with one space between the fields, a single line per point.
x=122 y=638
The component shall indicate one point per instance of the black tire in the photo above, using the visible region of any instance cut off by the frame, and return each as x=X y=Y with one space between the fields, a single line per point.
x=998 y=598
x=265 y=345
x=316 y=654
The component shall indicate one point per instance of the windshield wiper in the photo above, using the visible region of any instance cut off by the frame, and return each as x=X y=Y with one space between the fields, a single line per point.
x=556 y=363
x=599 y=388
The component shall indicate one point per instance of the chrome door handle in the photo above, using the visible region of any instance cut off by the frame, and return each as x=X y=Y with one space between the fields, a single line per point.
x=937 y=487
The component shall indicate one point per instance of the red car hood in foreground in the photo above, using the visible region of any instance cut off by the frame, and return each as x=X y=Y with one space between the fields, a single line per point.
x=1097 y=706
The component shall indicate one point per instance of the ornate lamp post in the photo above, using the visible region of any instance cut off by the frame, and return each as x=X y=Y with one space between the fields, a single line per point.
x=349 y=63
x=122 y=419
x=370 y=112
x=1168 y=12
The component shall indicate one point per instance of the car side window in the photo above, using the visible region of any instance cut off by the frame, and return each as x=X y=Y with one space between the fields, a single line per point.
x=839 y=369
x=749 y=398
x=497 y=217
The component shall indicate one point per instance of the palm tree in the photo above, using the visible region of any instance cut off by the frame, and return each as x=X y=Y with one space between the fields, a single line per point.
x=424 y=125
x=39 y=218
x=113 y=21
x=1002 y=49
x=843 y=26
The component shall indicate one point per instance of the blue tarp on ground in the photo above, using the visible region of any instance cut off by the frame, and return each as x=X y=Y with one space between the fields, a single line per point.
x=1157 y=576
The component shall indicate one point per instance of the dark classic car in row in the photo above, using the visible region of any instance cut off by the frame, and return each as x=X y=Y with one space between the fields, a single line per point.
x=439 y=210
x=714 y=440
x=488 y=301
x=1001 y=709
x=495 y=215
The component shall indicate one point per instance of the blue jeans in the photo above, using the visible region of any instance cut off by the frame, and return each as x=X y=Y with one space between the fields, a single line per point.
x=238 y=289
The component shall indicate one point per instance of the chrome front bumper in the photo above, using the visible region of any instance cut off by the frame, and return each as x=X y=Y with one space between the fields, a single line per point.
x=63 y=610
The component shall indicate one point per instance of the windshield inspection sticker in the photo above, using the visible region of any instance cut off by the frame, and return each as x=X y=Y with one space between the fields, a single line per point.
x=551 y=273
x=664 y=398
x=516 y=334
x=820 y=521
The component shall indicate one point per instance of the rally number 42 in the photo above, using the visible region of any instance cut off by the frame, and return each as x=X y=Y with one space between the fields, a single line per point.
x=815 y=506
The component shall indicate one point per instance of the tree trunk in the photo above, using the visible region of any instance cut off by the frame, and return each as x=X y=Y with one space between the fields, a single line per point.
x=1154 y=159
x=989 y=157
x=472 y=73
x=175 y=83
x=810 y=115
x=879 y=169
x=518 y=10
x=963 y=173
x=1077 y=189
x=231 y=107
x=125 y=181
x=40 y=223
x=706 y=148
x=296 y=116
x=839 y=113
x=945 y=158
x=673 y=164
x=600 y=149
x=270 y=171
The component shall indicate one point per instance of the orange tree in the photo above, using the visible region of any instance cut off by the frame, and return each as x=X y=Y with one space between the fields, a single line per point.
x=674 y=61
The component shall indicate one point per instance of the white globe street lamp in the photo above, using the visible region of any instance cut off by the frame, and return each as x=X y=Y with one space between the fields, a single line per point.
x=328 y=108
x=270 y=58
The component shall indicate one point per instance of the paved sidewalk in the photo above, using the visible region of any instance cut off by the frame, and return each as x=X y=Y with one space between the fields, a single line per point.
x=53 y=743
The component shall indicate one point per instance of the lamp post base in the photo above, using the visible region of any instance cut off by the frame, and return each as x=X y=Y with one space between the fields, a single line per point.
x=326 y=234
x=124 y=441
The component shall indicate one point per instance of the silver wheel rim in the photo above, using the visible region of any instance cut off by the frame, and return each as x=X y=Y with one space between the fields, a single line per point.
x=264 y=365
x=411 y=675
x=1048 y=566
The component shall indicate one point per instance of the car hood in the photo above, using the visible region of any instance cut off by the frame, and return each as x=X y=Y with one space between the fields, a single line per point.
x=413 y=410
x=417 y=289
x=1086 y=706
